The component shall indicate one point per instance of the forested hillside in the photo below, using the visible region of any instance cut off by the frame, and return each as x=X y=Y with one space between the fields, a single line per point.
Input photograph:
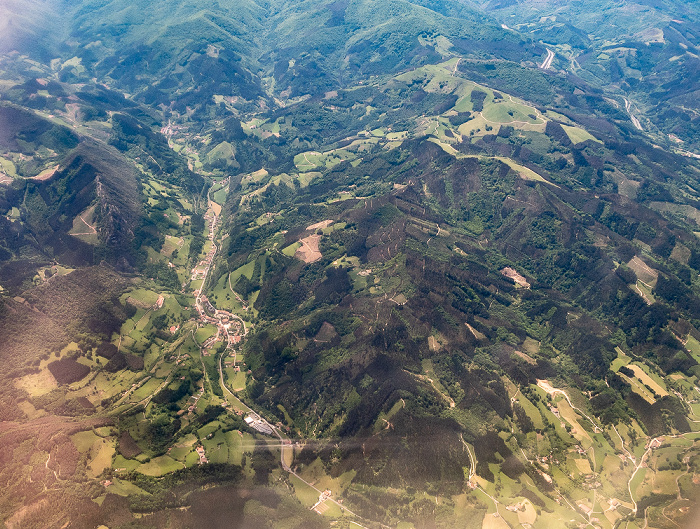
x=411 y=264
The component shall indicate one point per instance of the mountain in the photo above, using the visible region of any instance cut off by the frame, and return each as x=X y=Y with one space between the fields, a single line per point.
x=644 y=52
x=401 y=264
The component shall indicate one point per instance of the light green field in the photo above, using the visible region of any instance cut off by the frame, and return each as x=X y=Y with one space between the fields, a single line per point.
x=142 y=323
x=142 y=295
x=693 y=347
x=524 y=172
x=507 y=112
x=120 y=462
x=291 y=249
x=531 y=410
x=83 y=441
x=223 y=151
x=305 y=494
x=578 y=135
x=351 y=261
x=313 y=160
x=644 y=290
x=171 y=244
x=621 y=360
x=235 y=443
x=159 y=466
x=220 y=196
x=37 y=384
x=246 y=270
x=125 y=488
x=184 y=447
x=646 y=377
x=204 y=333
x=216 y=448
x=146 y=390
x=8 y=167
x=83 y=227
x=101 y=457
x=235 y=380
x=223 y=298
x=639 y=388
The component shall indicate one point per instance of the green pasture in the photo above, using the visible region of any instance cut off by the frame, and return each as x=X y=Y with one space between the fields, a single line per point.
x=578 y=135
x=100 y=457
x=159 y=466
x=120 y=462
x=83 y=441
x=204 y=333
x=621 y=360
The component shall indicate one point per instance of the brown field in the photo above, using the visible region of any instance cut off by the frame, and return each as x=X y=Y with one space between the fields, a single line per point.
x=308 y=251
x=46 y=173
x=320 y=225
x=515 y=276
x=643 y=272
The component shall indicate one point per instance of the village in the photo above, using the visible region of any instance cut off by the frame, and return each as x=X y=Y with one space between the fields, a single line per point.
x=230 y=328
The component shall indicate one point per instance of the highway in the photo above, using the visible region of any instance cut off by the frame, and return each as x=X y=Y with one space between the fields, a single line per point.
x=546 y=65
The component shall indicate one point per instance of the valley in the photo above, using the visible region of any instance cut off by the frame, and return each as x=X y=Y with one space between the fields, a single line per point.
x=407 y=265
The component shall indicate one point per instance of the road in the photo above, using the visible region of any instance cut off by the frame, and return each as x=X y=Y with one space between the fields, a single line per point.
x=552 y=390
x=546 y=65
x=628 y=108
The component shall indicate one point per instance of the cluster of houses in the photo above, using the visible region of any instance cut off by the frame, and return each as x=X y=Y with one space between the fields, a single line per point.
x=202 y=455
x=230 y=327
x=322 y=497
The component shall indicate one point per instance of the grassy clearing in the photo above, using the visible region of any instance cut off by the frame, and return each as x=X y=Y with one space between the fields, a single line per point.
x=246 y=270
x=306 y=495
x=508 y=112
x=448 y=148
x=121 y=462
x=236 y=443
x=693 y=347
x=216 y=448
x=494 y=522
x=654 y=382
x=291 y=249
x=83 y=227
x=171 y=244
x=223 y=298
x=83 y=441
x=578 y=135
x=146 y=390
x=220 y=196
x=524 y=172
x=101 y=452
x=141 y=297
x=621 y=360
x=639 y=388
x=208 y=429
x=577 y=430
x=531 y=411
x=312 y=160
x=643 y=290
x=37 y=384
x=7 y=167
x=235 y=380
x=125 y=488
x=204 y=333
x=159 y=466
